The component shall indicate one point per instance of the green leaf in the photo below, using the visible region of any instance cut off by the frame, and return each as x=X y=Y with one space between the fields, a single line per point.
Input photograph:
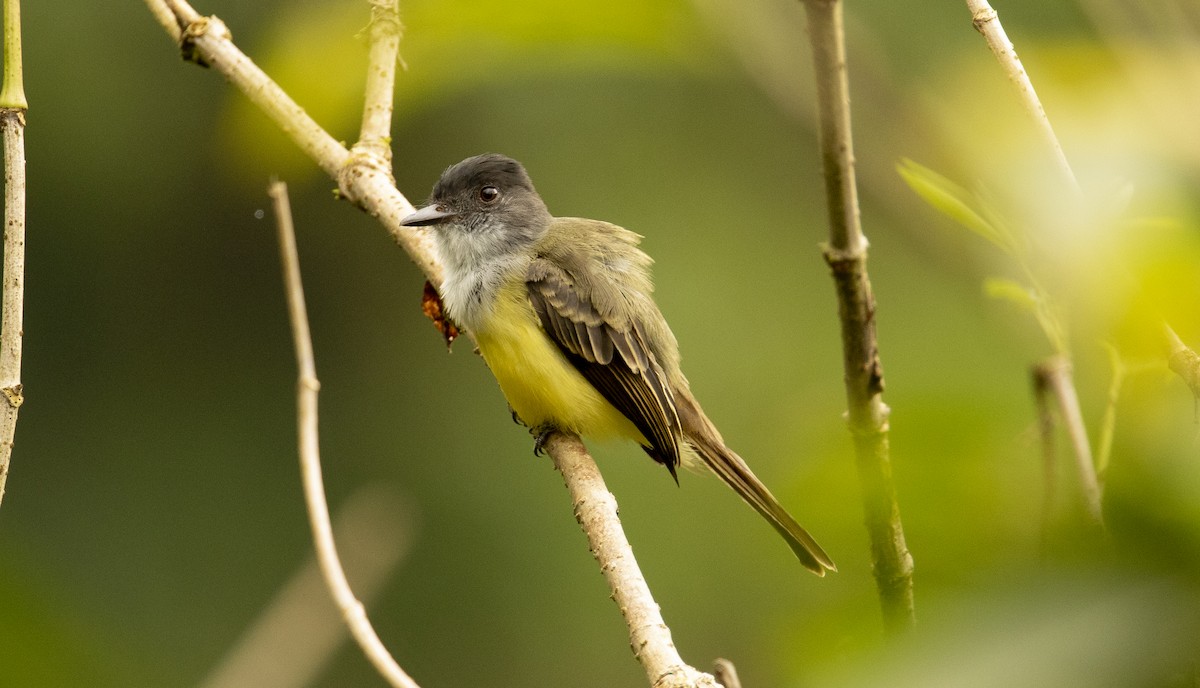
x=1004 y=289
x=1030 y=299
x=956 y=203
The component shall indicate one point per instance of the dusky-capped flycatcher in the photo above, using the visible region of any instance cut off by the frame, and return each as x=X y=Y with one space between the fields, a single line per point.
x=562 y=311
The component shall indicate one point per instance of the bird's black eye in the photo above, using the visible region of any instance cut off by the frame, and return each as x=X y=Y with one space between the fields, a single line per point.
x=489 y=194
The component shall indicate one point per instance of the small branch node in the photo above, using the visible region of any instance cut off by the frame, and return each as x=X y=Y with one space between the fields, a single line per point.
x=198 y=28
x=1185 y=363
x=725 y=673
x=982 y=16
x=13 y=395
x=845 y=260
x=365 y=159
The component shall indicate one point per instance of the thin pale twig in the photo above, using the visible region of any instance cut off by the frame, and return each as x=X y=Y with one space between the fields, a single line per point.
x=296 y=636
x=310 y=459
x=987 y=22
x=166 y=17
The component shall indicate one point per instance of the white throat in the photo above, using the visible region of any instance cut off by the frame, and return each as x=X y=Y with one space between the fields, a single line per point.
x=473 y=278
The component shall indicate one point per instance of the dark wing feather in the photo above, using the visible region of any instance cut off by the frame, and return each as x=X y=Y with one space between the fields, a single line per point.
x=614 y=358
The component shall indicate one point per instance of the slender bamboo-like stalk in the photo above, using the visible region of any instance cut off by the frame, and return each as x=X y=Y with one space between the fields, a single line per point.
x=13 y=105
x=846 y=254
x=352 y=610
x=12 y=92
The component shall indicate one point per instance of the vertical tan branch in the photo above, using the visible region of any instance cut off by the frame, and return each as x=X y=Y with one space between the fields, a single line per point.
x=846 y=254
x=596 y=511
x=12 y=329
x=1045 y=423
x=352 y=610
x=1054 y=376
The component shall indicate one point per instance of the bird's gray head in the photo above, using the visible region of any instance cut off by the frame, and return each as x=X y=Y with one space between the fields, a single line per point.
x=483 y=208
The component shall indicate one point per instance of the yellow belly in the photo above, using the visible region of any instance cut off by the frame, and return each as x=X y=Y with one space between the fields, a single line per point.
x=539 y=382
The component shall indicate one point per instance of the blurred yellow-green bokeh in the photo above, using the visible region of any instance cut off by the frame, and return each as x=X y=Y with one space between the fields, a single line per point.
x=153 y=509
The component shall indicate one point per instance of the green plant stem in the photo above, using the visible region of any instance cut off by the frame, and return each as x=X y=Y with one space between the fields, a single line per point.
x=846 y=254
x=12 y=93
x=1108 y=423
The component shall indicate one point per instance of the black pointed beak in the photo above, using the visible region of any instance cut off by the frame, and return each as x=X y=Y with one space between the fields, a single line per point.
x=429 y=215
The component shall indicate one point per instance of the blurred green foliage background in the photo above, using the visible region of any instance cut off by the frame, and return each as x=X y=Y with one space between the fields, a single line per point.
x=154 y=508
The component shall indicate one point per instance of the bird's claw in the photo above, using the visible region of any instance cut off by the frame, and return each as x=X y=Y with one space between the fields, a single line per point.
x=515 y=417
x=540 y=434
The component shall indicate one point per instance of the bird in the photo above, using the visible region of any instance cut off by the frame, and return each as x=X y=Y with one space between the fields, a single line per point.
x=562 y=311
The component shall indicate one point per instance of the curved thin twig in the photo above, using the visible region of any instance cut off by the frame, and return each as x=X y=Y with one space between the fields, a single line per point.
x=310 y=458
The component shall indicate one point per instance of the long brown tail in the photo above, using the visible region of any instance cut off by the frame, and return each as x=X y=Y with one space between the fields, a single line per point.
x=704 y=438
x=733 y=470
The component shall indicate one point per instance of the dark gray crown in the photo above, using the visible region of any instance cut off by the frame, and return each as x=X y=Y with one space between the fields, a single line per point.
x=489 y=169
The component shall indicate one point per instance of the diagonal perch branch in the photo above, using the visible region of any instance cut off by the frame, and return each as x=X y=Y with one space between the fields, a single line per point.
x=596 y=511
x=364 y=177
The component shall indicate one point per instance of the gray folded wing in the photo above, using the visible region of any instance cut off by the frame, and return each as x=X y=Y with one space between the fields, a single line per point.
x=612 y=354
